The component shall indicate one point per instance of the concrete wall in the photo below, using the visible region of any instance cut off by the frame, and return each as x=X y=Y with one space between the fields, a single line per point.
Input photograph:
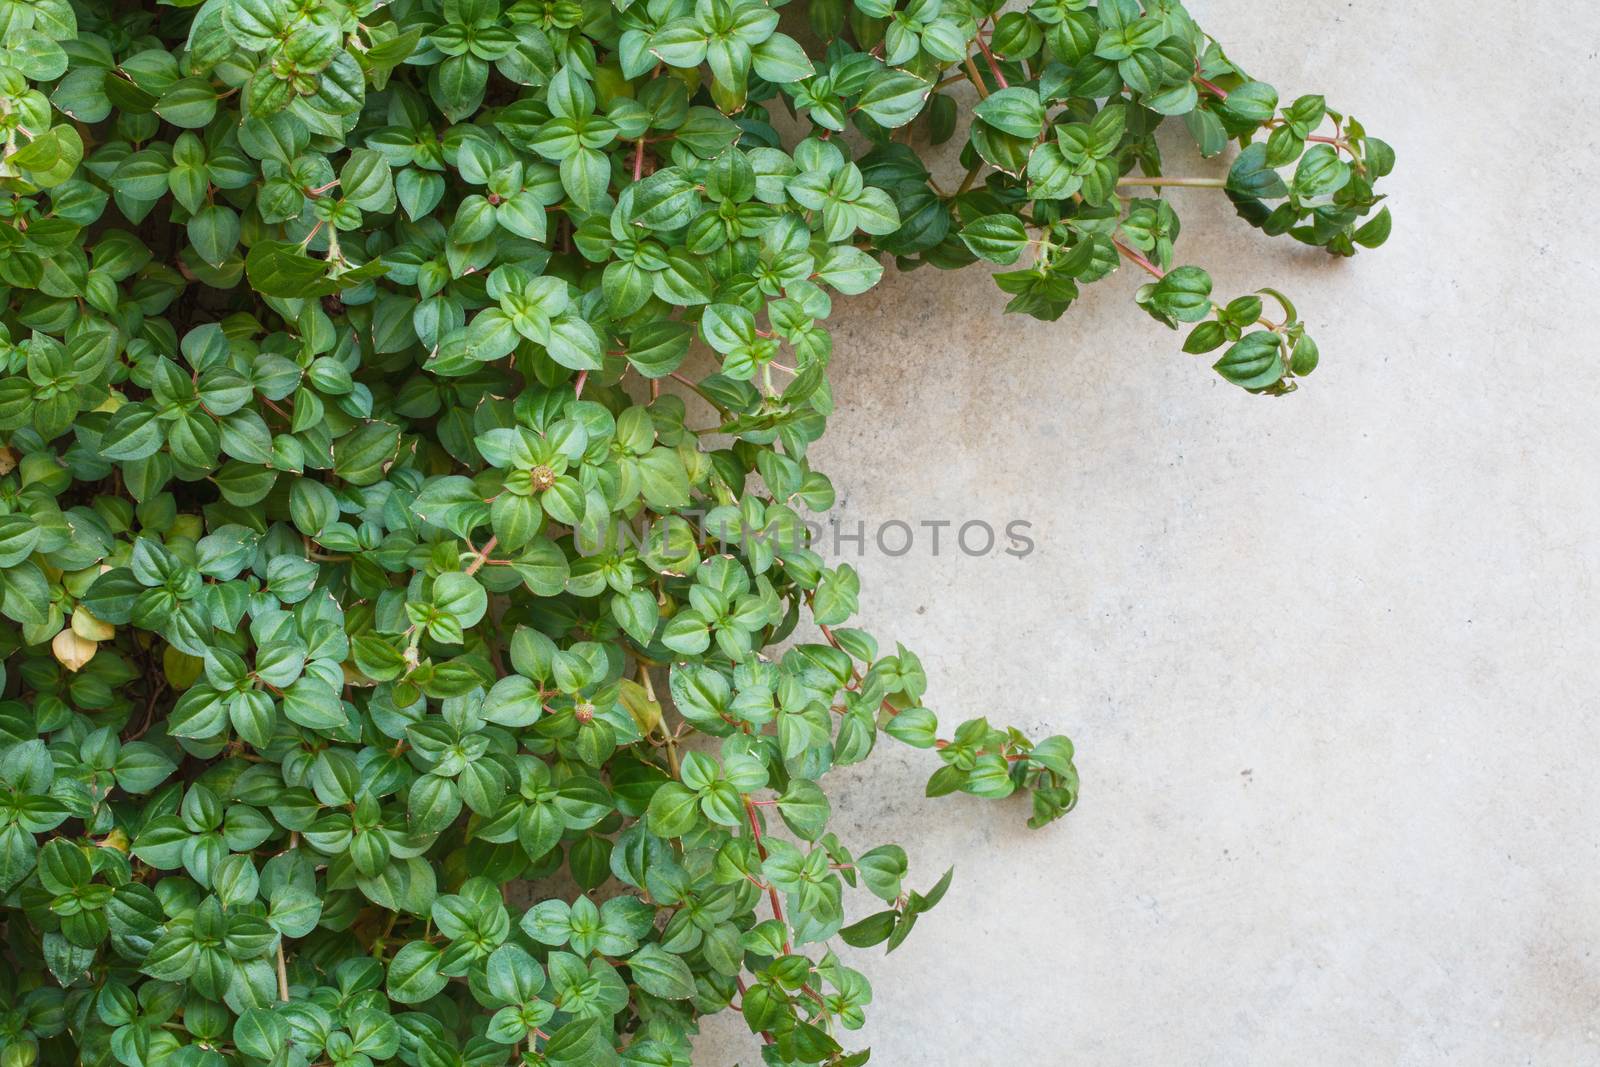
x=1330 y=661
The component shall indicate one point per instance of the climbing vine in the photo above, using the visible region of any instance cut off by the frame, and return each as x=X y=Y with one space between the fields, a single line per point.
x=371 y=542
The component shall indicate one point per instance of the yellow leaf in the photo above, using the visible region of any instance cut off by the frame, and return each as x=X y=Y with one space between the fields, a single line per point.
x=353 y=675
x=90 y=628
x=72 y=651
x=645 y=712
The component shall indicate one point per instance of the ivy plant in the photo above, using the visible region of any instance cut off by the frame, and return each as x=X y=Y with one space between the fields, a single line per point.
x=369 y=548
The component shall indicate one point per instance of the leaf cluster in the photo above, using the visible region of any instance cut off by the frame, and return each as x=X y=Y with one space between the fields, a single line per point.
x=368 y=546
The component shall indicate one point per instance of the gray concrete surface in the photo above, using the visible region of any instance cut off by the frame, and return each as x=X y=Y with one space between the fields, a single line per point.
x=1330 y=661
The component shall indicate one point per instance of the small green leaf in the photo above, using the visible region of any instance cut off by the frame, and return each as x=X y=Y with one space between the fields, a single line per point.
x=661 y=973
x=1015 y=110
x=281 y=269
x=997 y=238
x=1254 y=362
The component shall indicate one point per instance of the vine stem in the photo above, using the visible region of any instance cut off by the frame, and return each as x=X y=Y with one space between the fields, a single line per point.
x=683 y=379
x=1159 y=181
x=994 y=68
x=1137 y=258
x=827 y=633
x=1009 y=757
x=672 y=754
x=483 y=556
x=977 y=79
x=667 y=735
x=886 y=706
x=772 y=891
x=283 y=974
x=970 y=176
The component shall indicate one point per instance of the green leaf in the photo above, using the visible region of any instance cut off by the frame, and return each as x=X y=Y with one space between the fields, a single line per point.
x=805 y=809
x=414 y=974
x=663 y=480
x=1321 y=172
x=190 y=103
x=881 y=870
x=18 y=536
x=661 y=973
x=893 y=98
x=916 y=727
x=780 y=59
x=1015 y=110
x=1375 y=231
x=674 y=810
x=261 y=1034
x=1253 y=362
x=314 y=704
x=1251 y=176
x=997 y=238
x=1205 y=337
x=849 y=270
x=63 y=867
x=365 y=181
x=1304 y=357
x=574 y=344
x=281 y=269
x=51 y=158
x=140 y=767
x=873 y=930
x=585 y=174
x=1251 y=102
x=1184 y=294
x=513 y=976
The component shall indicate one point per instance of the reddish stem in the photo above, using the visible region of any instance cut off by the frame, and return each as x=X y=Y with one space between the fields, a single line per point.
x=1338 y=144
x=483 y=556
x=834 y=641
x=1010 y=757
x=772 y=891
x=994 y=68
x=1134 y=256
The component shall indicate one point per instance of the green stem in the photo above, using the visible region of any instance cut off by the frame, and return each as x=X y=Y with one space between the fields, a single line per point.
x=977 y=79
x=972 y=174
